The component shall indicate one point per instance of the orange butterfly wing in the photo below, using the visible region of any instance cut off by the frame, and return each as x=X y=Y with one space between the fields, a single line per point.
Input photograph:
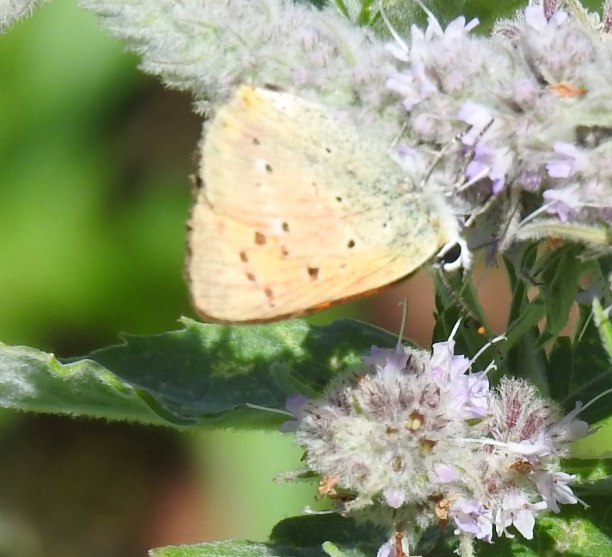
x=296 y=212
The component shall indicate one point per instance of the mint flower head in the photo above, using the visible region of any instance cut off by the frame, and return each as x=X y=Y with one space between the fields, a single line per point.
x=532 y=106
x=211 y=47
x=413 y=438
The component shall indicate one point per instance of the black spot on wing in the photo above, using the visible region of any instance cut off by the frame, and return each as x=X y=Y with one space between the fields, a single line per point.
x=270 y=295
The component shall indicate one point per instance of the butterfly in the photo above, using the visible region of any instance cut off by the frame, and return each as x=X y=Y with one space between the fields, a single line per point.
x=298 y=210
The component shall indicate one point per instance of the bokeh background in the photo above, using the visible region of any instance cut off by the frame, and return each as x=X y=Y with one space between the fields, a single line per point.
x=94 y=195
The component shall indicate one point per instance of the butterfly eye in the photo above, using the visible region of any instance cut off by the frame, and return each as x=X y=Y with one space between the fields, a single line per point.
x=454 y=255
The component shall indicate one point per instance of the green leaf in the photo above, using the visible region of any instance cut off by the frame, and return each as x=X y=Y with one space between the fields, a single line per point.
x=203 y=374
x=34 y=381
x=341 y=536
x=314 y=530
x=574 y=532
x=522 y=333
x=317 y=536
x=594 y=476
x=605 y=328
x=560 y=286
x=234 y=548
x=590 y=372
x=457 y=300
x=561 y=368
x=303 y=536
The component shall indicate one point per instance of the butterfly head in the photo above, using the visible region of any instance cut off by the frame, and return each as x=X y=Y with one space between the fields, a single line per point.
x=454 y=255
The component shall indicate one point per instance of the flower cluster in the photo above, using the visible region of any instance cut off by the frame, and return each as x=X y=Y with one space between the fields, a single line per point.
x=532 y=105
x=411 y=438
x=210 y=47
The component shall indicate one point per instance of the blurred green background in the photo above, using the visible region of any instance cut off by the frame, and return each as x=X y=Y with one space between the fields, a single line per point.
x=94 y=195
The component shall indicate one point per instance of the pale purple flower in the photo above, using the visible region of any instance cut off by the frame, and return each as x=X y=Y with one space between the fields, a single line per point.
x=445 y=473
x=395 y=498
x=572 y=160
x=295 y=406
x=400 y=83
x=445 y=364
x=554 y=488
x=457 y=28
x=387 y=362
x=489 y=163
x=477 y=169
x=535 y=448
x=399 y=51
x=473 y=518
x=569 y=428
x=405 y=150
x=415 y=86
x=454 y=31
x=477 y=116
x=477 y=403
x=387 y=549
x=563 y=202
x=526 y=92
x=518 y=511
x=470 y=391
x=434 y=29
x=417 y=36
x=535 y=17
x=470 y=394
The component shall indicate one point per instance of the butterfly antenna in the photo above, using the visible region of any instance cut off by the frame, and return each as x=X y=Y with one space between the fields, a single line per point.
x=457 y=300
x=456 y=297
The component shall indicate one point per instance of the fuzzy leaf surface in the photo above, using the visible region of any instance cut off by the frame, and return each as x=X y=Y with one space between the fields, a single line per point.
x=202 y=374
